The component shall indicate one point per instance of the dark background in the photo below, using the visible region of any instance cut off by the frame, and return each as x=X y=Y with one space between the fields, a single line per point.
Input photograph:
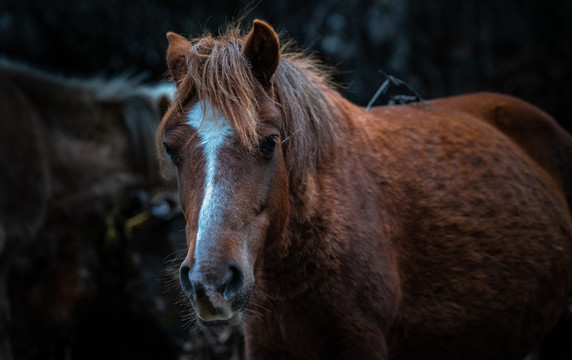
x=439 y=47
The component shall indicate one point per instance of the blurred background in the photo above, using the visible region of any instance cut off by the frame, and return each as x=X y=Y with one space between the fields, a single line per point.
x=95 y=277
x=440 y=47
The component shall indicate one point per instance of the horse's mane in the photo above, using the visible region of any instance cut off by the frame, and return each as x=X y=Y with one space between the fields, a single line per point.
x=112 y=90
x=219 y=71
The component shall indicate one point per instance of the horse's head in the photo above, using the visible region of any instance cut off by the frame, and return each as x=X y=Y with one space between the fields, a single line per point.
x=224 y=136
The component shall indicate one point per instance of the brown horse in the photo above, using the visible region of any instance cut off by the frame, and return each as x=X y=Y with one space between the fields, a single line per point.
x=65 y=144
x=421 y=231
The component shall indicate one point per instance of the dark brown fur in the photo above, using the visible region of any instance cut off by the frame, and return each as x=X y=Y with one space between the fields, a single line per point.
x=422 y=231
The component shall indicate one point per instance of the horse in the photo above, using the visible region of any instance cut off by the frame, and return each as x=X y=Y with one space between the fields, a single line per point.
x=65 y=144
x=429 y=230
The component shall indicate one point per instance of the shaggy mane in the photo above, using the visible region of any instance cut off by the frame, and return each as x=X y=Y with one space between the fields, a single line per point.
x=111 y=90
x=219 y=71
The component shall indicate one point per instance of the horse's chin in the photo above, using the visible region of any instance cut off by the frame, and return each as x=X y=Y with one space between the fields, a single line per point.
x=234 y=320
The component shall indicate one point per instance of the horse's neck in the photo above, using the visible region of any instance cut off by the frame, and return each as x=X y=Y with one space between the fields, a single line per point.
x=314 y=238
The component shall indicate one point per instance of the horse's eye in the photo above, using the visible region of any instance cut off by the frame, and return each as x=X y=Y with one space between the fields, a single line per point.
x=267 y=146
x=172 y=154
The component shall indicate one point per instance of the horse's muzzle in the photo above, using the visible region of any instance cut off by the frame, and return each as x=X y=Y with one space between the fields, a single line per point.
x=214 y=294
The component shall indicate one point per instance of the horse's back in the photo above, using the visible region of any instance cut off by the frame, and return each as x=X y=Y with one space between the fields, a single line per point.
x=536 y=132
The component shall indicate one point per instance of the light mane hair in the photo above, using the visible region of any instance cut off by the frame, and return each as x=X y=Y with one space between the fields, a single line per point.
x=218 y=71
x=115 y=89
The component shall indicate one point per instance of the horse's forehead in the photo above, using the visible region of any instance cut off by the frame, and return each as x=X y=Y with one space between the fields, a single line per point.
x=212 y=127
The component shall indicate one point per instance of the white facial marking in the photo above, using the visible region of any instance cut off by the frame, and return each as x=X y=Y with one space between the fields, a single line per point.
x=212 y=130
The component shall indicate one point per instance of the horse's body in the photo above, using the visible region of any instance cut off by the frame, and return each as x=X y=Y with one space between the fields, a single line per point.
x=66 y=141
x=65 y=144
x=439 y=230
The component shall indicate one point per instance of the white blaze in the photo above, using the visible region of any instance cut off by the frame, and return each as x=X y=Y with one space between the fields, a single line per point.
x=212 y=130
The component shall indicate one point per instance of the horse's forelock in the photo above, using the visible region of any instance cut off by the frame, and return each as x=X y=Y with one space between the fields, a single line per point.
x=219 y=72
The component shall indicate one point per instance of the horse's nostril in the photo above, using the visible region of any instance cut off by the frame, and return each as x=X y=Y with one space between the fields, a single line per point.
x=186 y=284
x=200 y=286
x=234 y=284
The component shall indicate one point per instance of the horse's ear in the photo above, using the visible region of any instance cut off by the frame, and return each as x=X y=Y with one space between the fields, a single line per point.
x=262 y=48
x=177 y=52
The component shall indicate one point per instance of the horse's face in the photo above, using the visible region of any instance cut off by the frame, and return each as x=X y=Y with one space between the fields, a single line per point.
x=234 y=198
